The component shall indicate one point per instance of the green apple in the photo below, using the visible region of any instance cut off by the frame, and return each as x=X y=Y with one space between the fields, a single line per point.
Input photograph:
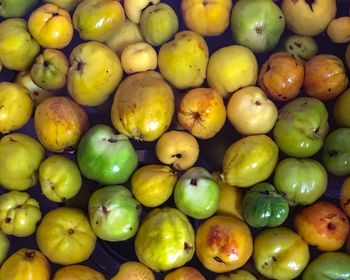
x=16 y=8
x=341 y=109
x=21 y=156
x=336 y=152
x=17 y=47
x=159 y=23
x=300 y=46
x=301 y=127
x=114 y=213
x=19 y=214
x=257 y=24
x=50 y=69
x=196 y=193
x=183 y=61
x=106 y=157
x=302 y=180
x=59 y=178
x=239 y=274
x=328 y=266
x=4 y=246
x=68 y=5
x=98 y=19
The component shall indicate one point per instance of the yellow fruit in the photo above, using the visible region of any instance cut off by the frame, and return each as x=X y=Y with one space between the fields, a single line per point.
x=230 y=200
x=16 y=106
x=338 y=30
x=77 y=272
x=25 y=264
x=134 y=271
x=185 y=273
x=143 y=106
x=153 y=184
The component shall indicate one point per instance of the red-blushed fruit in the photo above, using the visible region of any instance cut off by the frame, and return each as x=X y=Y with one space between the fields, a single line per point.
x=325 y=77
x=281 y=76
x=223 y=243
x=324 y=225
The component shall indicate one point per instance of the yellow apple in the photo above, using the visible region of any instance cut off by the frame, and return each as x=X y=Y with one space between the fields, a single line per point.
x=177 y=148
x=139 y=57
x=65 y=236
x=251 y=112
x=51 y=26
x=208 y=18
x=338 y=30
x=94 y=74
x=183 y=61
x=202 y=112
x=16 y=106
x=341 y=109
x=98 y=19
x=17 y=47
x=68 y=5
x=309 y=18
x=134 y=8
x=37 y=93
x=231 y=68
x=129 y=33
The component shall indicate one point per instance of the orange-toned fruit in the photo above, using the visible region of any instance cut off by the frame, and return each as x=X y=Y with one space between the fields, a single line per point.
x=223 y=243
x=185 y=273
x=25 y=264
x=59 y=123
x=134 y=271
x=345 y=196
x=281 y=76
x=77 y=272
x=325 y=77
x=202 y=112
x=324 y=225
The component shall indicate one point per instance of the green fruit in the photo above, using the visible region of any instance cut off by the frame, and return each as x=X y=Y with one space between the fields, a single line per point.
x=336 y=152
x=302 y=180
x=263 y=206
x=16 y=8
x=239 y=274
x=114 y=213
x=300 y=46
x=257 y=24
x=4 y=247
x=301 y=127
x=196 y=193
x=106 y=157
x=159 y=23
x=165 y=239
x=328 y=266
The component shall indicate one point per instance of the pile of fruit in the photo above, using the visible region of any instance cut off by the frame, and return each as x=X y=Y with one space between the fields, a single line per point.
x=192 y=139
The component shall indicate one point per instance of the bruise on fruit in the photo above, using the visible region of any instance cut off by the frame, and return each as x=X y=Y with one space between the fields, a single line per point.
x=222 y=242
x=188 y=248
x=193 y=182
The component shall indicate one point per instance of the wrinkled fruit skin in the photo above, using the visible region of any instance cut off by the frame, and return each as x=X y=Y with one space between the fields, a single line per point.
x=336 y=152
x=163 y=234
x=106 y=157
x=114 y=213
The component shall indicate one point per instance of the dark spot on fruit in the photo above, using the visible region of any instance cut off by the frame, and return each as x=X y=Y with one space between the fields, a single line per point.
x=218 y=259
x=111 y=140
x=332 y=153
x=130 y=229
x=299 y=45
x=12 y=140
x=205 y=2
x=265 y=192
x=70 y=231
x=329 y=89
x=280 y=17
x=107 y=71
x=347 y=202
x=258 y=30
x=79 y=66
x=331 y=226
x=70 y=149
x=104 y=209
x=257 y=103
x=291 y=47
x=96 y=223
x=55 y=14
x=35 y=93
x=317 y=130
x=2 y=106
x=29 y=255
x=274 y=258
x=177 y=156
x=193 y=182
x=19 y=206
x=187 y=247
x=310 y=3
x=8 y=220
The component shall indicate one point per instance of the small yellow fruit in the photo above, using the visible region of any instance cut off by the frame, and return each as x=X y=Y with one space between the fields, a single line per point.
x=77 y=272
x=134 y=271
x=338 y=30
x=153 y=184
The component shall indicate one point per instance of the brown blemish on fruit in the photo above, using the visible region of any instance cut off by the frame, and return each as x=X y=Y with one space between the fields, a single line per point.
x=188 y=248
x=70 y=231
x=29 y=256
